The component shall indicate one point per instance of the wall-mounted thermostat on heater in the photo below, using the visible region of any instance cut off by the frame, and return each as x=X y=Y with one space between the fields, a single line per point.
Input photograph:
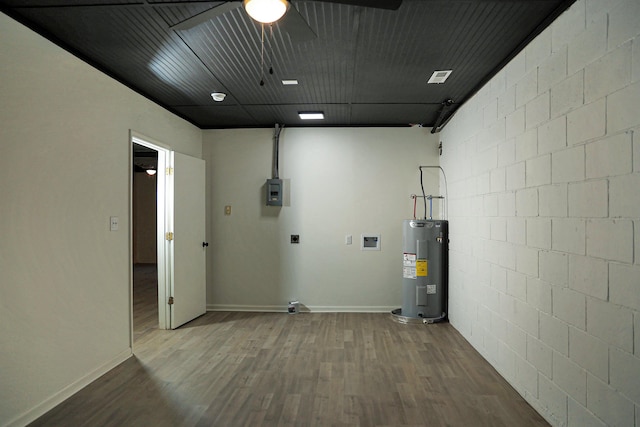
x=274 y=192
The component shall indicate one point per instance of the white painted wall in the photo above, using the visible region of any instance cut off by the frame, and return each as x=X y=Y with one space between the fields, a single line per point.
x=544 y=173
x=64 y=170
x=338 y=182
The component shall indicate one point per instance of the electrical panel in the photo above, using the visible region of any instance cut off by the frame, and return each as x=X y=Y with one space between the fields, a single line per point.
x=274 y=192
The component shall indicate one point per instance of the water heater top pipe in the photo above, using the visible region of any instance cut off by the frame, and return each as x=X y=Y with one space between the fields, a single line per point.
x=446 y=190
x=430 y=198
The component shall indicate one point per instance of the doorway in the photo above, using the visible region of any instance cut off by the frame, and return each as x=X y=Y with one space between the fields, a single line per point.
x=144 y=243
x=148 y=247
x=180 y=262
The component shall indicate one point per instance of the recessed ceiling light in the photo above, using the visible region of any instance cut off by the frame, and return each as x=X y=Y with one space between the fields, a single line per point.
x=439 y=76
x=218 y=96
x=311 y=115
x=289 y=82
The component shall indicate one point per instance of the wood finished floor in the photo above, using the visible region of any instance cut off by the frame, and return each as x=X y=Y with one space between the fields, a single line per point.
x=313 y=369
x=145 y=300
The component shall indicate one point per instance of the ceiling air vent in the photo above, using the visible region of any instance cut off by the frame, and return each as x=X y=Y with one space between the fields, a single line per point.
x=439 y=76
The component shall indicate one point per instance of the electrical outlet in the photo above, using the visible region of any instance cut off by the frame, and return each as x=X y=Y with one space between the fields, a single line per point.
x=227 y=210
x=348 y=239
x=295 y=239
x=114 y=223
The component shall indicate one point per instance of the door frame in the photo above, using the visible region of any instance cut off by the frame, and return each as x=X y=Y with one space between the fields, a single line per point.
x=163 y=205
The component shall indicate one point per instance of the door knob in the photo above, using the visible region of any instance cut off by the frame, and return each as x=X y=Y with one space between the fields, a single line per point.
x=205 y=244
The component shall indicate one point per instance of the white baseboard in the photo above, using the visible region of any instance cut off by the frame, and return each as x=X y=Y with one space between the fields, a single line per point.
x=254 y=308
x=350 y=309
x=303 y=309
x=59 y=397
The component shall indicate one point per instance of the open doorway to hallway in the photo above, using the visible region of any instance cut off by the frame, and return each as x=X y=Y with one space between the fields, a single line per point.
x=180 y=263
x=145 y=247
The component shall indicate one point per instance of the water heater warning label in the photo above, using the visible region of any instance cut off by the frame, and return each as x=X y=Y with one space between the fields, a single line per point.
x=409 y=266
x=421 y=268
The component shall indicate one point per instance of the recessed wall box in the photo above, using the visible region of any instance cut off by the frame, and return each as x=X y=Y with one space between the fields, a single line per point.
x=274 y=192
x=370 y=242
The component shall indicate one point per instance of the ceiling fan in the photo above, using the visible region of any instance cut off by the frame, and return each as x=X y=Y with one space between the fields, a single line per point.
x=289 y=20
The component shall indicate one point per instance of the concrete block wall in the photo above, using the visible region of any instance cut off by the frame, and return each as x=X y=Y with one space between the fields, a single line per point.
x=543 y=169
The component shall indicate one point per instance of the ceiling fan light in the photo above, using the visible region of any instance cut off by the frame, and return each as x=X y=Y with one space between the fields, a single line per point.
x=265 y=11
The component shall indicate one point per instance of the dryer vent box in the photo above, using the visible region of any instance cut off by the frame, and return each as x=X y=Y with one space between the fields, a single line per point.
x=274 y=192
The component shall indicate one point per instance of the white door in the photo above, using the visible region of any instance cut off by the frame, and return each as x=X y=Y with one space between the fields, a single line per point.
x=188 y=284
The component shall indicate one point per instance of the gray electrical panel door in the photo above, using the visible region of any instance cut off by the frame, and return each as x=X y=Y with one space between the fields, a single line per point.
x=274 y=192
x=424 y=268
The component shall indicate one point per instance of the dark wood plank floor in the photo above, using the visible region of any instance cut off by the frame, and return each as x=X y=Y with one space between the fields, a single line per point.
x=310 y=369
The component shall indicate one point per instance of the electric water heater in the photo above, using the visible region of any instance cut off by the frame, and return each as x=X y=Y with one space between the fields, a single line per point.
x=424 y=271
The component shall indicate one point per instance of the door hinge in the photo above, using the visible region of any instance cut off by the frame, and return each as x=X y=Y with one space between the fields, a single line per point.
x=169 y=236
x=169 y=171
x=170 y=301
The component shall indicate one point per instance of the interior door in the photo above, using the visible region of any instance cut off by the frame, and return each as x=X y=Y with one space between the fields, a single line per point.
x=188 y=284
